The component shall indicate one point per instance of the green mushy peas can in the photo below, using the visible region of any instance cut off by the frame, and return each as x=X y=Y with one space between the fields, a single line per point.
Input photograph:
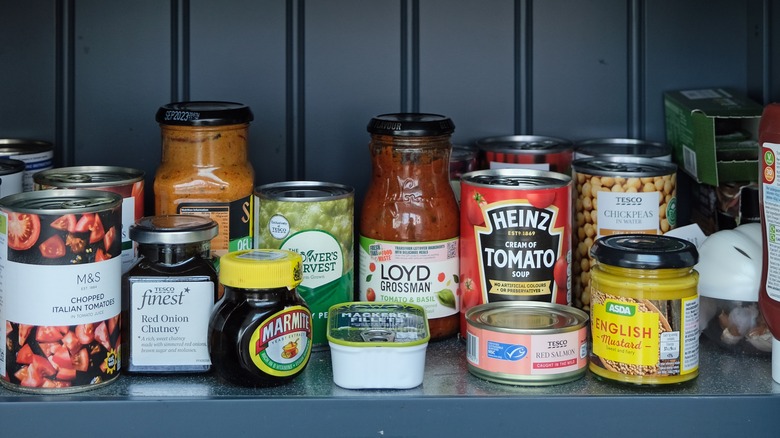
x=315 y=220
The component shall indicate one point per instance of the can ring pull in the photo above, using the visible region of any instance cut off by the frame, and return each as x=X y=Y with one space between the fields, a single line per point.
x=378 y=335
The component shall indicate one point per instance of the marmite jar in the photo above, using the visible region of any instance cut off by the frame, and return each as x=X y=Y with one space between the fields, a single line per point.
x=410 y=221
x=260 y=331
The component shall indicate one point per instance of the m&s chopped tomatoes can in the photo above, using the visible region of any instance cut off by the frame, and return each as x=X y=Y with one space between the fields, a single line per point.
x=515 y=237
x=60 y=290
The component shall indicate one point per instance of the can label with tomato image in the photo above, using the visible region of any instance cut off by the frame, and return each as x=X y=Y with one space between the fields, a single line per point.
x=515 y=239
x=125 y=181
x=60 y=294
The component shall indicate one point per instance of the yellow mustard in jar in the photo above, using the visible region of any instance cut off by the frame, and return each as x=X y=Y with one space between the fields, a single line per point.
x=205 y=168
x=644 y=309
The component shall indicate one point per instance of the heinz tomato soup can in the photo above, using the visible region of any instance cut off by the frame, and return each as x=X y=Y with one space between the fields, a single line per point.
x=60 y=290
x=125 y=181
x=515 y=237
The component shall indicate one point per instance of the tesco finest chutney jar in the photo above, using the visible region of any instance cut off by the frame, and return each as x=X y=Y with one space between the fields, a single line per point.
x=527 y=152
x=515 y=237
x=617 y=195
x=260 y=331
x=125 y=181
x=645 y=309
x=37 y=155
x=60 y=295
x=408 y=251
x=168 y=295
x=316 y=220
x=527 y=342
x=207 y=135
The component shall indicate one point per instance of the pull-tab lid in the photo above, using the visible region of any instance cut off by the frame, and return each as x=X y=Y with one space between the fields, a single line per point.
x=377 y=324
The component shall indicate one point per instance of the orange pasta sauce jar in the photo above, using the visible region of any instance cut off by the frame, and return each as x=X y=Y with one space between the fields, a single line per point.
x=205 y=169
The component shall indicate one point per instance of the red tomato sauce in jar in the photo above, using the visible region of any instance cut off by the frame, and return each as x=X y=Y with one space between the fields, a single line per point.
x=408 y=248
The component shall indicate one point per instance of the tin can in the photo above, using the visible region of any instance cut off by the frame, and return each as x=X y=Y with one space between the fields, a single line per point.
x=60 y=290
x=515 y=239
x=37 y=155
x=527 y=343
x=125 y=181
x=630 y=147
x=645 y=311
x=316 y=220
x=11 y=177
x=618 y=195
x=526 y=151
x=463 y=159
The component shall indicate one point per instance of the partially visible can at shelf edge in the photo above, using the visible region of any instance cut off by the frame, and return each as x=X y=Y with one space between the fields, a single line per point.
x=60 y=290
x=527 y=343
x=316 y=220
x=124 y=181
x=526 y=151
x=37 y=155
x=11 y=177
x=515 y=237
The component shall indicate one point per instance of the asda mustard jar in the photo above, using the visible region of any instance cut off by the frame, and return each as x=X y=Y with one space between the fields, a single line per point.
x=205 y=169
x=260 y=331
x=644 y=309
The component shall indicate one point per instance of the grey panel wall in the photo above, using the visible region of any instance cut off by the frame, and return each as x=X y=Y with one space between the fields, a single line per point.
x=89 y=75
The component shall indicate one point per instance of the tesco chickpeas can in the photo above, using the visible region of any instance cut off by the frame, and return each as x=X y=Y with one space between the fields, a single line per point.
x=617 y=195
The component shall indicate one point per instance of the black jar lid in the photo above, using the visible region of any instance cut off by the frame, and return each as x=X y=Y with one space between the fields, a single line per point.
x=644 y=251
x=411 y=125
x=173 y=229
x=204 y=113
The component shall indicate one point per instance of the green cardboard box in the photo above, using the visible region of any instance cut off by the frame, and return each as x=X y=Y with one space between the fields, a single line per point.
x=714 y=134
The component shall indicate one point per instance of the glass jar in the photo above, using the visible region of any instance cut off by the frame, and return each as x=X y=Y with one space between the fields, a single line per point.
x=260 y=331
x=205 y=169
x=168 y=295
x=409 y=223
x=644 y=309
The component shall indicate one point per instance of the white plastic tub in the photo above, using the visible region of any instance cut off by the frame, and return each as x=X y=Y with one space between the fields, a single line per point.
x=377 y=345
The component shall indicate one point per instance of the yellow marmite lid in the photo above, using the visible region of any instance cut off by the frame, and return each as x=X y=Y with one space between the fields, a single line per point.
x=261 y=269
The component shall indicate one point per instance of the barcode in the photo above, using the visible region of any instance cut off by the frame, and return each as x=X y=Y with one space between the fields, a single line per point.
x=452 y=249
x=689 y=160
x=472 y=348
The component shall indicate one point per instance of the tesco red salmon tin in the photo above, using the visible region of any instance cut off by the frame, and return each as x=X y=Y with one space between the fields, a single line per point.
x=60 y=290
x=515 y=237
x=527 y=343
x=125 y=181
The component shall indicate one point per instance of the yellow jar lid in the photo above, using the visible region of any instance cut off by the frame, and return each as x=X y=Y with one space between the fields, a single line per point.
x=261 y=269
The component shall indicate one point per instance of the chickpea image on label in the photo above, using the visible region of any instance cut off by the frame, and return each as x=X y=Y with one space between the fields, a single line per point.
x=585 y=219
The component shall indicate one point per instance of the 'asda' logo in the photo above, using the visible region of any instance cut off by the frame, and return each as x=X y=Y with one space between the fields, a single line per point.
x=622 y=309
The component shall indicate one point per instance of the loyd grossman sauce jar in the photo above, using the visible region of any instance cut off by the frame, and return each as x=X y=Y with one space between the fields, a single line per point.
x=205 y=169
x=409 y=222
x=645 y=309
x=168 y=295
x=260 y=331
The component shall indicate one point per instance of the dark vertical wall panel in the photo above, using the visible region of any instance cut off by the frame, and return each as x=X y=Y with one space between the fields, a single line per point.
x=580 y=68
x=352 y=73
x=122 y=74
x=28 y=42
x=692 y=44
x=237 y=53
x=467 y=57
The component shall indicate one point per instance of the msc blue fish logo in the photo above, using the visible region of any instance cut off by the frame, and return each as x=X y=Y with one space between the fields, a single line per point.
x=515 y=352
x=502 y=351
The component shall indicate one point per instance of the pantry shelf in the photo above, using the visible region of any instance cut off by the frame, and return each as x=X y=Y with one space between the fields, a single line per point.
x=733 y=395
